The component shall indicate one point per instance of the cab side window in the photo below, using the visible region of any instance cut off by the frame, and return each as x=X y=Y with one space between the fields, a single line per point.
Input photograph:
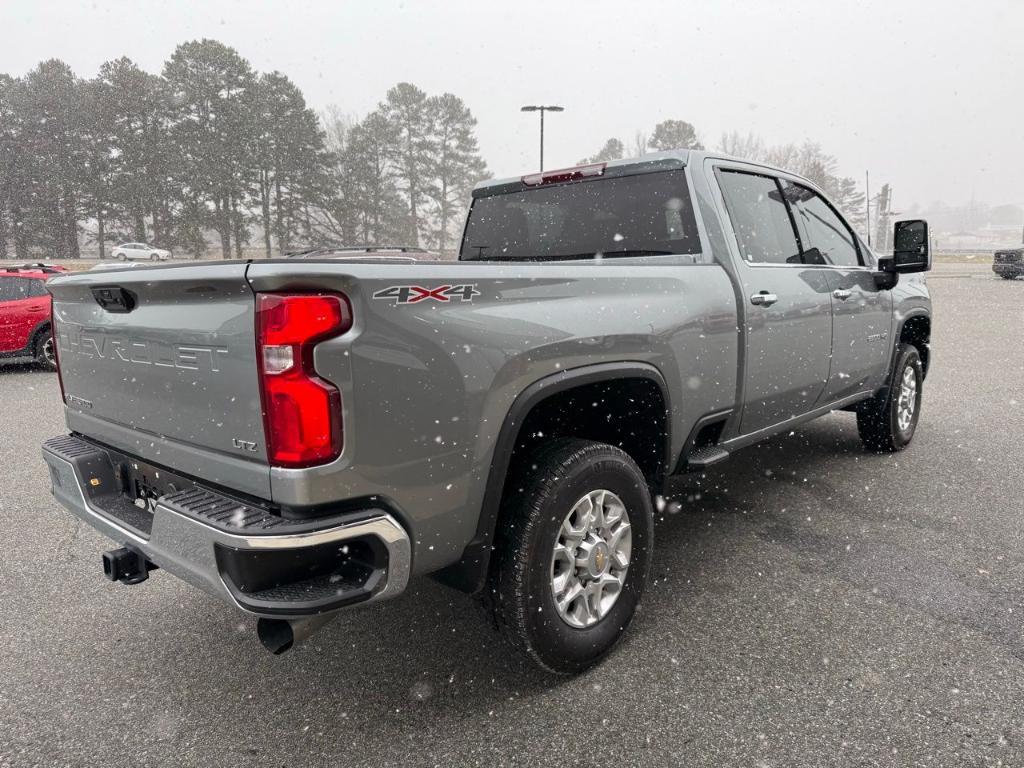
x=760 y=218
x=822 y=228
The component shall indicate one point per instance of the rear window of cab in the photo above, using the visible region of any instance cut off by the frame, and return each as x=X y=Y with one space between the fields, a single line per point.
x=647 y=214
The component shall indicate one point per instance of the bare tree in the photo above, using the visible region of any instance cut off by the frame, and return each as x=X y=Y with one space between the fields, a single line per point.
x=639 y=143
x=749 y=147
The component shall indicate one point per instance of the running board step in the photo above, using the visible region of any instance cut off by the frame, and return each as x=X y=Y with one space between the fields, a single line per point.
x=702 y=458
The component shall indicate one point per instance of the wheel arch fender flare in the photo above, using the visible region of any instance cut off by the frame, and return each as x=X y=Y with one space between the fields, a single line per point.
x=901 y=323
x=470 y=572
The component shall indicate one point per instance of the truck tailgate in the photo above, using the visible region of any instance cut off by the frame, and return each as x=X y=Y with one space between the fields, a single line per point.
x=167 y=353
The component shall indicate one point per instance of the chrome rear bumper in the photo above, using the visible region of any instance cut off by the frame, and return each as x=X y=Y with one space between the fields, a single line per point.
x=258 y=562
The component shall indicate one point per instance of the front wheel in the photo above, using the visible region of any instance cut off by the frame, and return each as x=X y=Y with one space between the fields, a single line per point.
x=573 y=553
x=122 y=257
x=154 y=257
x=887 y=421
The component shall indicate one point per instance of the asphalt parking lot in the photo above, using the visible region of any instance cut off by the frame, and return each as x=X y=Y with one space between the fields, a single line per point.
x=813 y=605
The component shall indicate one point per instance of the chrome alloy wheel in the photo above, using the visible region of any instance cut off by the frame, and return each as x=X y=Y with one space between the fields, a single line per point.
x=908 y=399
x=48 y=353
x=591 y=558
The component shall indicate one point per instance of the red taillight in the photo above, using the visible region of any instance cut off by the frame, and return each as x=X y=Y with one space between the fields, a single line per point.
x=564 y=174
x=301 y=411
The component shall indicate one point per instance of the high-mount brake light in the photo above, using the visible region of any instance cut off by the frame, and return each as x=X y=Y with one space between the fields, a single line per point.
x=564 y=174
x=301 y=411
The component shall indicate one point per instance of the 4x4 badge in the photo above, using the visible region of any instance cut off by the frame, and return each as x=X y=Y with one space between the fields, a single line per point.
x=414 y=294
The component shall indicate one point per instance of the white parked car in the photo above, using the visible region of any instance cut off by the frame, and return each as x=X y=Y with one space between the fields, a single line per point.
x=133 y=251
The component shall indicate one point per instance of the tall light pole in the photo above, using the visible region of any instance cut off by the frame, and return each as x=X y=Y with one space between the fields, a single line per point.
x=867 y=204
x=542 y=110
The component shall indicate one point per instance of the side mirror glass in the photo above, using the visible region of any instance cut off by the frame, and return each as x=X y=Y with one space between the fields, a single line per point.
x=911 y=252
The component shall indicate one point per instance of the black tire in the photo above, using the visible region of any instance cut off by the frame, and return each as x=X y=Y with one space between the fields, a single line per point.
x=520 y=592
x=154 y=257
x=43 y=351
x=878 y=420
x=122 y=257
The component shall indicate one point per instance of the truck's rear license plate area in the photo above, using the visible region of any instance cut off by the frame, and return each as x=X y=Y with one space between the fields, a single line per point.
x=143 y=484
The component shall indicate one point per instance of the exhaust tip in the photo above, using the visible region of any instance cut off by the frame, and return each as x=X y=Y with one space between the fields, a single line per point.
x=276 y=635
x=279 y=635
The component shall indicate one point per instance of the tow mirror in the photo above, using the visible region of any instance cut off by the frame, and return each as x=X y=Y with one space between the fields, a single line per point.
x=910 y=251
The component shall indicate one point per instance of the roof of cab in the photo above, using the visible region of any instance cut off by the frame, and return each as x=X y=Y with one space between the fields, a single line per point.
x=679 y=156
x=665 y=160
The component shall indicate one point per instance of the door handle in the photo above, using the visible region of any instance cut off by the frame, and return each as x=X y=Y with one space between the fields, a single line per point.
x=842 y=294
x=36 y=309
x=763 y=299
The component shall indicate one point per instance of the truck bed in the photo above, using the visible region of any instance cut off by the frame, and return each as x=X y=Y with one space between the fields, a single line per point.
x=436 y=356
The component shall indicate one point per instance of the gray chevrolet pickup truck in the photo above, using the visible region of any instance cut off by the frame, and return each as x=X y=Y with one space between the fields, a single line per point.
x=297 y=436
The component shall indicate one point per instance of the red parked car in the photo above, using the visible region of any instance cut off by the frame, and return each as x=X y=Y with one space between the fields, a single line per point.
x=25 y=314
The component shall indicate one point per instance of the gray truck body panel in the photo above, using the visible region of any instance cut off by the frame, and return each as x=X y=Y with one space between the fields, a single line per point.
x=175 y=379
x=428 y=387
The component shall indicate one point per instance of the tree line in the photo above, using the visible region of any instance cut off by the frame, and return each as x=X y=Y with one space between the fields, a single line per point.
x=212 y=146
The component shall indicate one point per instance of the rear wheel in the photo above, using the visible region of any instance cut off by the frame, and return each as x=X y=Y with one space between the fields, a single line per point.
x=887 y=421
x=573 y=555
x=44 y=352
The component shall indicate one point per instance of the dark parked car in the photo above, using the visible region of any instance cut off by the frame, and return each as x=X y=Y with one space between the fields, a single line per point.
x=1009 y=263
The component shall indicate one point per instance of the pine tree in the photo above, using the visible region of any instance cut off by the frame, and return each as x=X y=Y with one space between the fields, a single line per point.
x=290 y=160
x=97 y=171
x=373 y=197
x=215 y=95
x=405 y=109
x=455 y=165
x=9 y=160
x=47 y=124
x=138 y=108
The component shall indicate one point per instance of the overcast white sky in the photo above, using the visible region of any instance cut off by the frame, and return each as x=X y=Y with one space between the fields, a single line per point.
x=927 y=94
